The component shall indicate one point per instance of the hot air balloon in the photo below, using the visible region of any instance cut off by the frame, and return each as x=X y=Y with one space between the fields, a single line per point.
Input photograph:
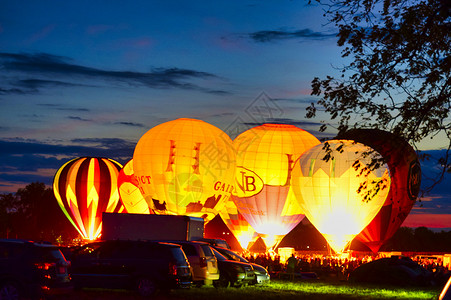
x=237 y=224
x=338 y=192
x=405 y=173
x=85 y=187
x=129 y=191
x=265 y=158
x=185 y=167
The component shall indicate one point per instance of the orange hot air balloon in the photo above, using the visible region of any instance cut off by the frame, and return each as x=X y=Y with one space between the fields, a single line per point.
x=265 y=158
x=339 y=194
x=185 y=167
x=129 y=191
x=237 y=224
x=405 y=173
x=85 y=187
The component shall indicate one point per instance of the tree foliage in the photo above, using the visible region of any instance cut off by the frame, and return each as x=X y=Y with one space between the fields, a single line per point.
x=33 y=213
x=398 y=75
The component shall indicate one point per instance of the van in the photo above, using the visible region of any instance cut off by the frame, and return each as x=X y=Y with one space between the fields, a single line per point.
x=143 y=266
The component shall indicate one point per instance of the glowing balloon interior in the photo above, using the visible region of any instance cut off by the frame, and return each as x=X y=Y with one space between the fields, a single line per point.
x=339 y=194
x=263 y=195
x=86 y=187
x=238 y=225
x=185 y=166
x=129 y=191
x=405 y=173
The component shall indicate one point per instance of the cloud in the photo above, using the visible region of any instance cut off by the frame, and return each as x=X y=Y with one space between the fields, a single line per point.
x=25 y=161
x=102 y=147
x=295 y=122
x=78 y=119
x=43 y=64
x=130 y=124
x=265 y=36
x=35 y=84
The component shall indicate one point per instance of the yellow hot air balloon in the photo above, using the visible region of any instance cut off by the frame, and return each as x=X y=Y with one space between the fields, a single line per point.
x=337 y=191
x=185 y=167
x=85 y=187
x=263 y=195
x=237 y=224
x=129 y=191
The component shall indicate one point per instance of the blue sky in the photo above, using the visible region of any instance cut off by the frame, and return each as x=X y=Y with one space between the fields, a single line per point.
x=82 y=78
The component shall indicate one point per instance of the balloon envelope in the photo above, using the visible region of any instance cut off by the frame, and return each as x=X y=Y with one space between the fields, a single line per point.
x=263 y=195
x=85 y=187
x=336 y=196
x=237 y=224
x=405 y=173
x=185 y=167
x=129 y=191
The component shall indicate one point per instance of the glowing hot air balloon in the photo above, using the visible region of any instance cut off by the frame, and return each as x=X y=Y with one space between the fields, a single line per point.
x=129 y=191
x=339 y=194
x=238 y=225
x=265 y=158
x=405 y=173
x=85 y=187
x=186 y=167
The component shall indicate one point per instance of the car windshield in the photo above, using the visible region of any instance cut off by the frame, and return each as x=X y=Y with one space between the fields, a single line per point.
x=219 y=256
x=232 y=255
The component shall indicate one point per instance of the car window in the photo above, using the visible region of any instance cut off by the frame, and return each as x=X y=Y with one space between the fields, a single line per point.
x=207 y=250
x=219 y=256
x=178 y=254
x=50 y=254
x=189 y=250
x=11 y=250
x=232 y=255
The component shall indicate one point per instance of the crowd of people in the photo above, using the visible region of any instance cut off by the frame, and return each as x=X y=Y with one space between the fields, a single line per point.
x=339 y=267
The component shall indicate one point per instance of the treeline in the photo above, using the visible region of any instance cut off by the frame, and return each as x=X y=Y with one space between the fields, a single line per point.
x=33 y=213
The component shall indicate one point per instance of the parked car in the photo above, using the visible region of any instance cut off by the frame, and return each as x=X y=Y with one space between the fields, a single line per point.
x=204 y=265
x=32 y=270
x=143 y=266
x=393 y=270
x=261 y=274
x=232 y=273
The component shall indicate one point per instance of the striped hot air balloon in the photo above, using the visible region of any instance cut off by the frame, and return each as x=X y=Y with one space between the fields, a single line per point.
x=85 y=187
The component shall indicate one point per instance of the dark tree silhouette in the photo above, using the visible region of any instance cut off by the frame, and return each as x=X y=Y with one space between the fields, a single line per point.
x=398 y=78
x=33 y=213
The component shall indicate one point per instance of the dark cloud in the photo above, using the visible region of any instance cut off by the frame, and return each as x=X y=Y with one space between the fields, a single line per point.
x=78 y=119
x=295 y=122
x=51 y=65
x=107 y=147
x=130 y=124
x=35 y=84
x=265 y=36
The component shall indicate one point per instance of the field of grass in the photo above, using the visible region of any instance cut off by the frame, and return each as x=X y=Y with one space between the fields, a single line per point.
x=277 y=289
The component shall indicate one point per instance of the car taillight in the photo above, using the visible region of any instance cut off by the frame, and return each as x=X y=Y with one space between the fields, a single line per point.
x=172 y=268
x=44 y=265
x=203 y=262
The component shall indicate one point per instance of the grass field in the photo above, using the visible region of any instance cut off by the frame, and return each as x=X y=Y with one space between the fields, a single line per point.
x=283 y=290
